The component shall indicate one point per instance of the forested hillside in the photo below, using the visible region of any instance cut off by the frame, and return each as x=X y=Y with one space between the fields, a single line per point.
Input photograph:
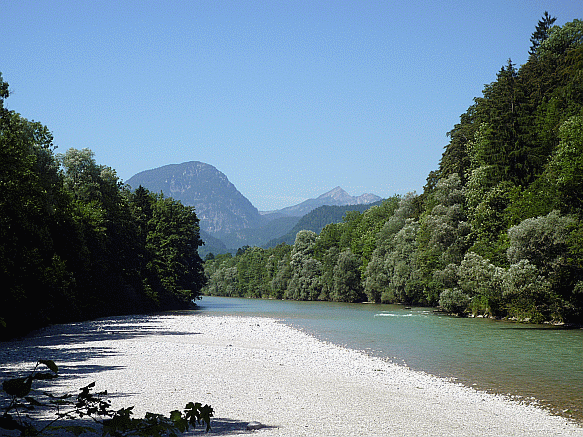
x=316 y=219
x=497 y=230
x=75 y=243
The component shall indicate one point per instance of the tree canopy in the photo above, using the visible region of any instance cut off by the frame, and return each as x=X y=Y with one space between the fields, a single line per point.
x=76 y=243
x=498 y=229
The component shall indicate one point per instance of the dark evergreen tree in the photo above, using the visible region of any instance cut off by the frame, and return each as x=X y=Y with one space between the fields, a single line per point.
x=541 y=33
x=455 y=158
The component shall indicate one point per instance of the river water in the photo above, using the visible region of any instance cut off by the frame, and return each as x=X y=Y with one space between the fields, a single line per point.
x=536 y=363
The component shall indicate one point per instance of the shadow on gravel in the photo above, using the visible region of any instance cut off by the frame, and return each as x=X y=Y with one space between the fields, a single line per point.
x=72 y=344
x=219 y=427
x=225 y=426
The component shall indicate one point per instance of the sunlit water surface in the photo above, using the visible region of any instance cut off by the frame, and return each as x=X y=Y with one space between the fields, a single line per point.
x=533 y=362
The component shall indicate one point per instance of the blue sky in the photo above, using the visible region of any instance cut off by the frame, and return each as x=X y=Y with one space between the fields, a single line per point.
x=288 y=98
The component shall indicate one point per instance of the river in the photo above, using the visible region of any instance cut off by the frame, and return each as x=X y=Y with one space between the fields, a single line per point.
x=537 y=363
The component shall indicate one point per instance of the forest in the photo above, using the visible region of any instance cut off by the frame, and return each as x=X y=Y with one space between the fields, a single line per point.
x=496 y=232
x=76 y=243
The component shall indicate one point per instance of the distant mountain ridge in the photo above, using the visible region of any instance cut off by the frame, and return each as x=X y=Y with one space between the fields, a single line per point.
x=227 y=218
x=334 y=197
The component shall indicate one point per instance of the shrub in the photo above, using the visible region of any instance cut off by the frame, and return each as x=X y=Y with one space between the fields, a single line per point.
x=454 y=301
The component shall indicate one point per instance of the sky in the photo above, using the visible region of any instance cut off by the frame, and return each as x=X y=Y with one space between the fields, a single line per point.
x=288 y=99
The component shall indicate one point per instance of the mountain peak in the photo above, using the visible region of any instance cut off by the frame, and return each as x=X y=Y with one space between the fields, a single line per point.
x=335 y=193
x=335 y=197
x=219 y=205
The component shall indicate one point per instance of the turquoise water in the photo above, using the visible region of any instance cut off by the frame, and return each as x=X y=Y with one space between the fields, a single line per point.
x=534 y=362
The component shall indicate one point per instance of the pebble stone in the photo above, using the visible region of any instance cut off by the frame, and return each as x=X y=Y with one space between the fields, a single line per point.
x=255 y=370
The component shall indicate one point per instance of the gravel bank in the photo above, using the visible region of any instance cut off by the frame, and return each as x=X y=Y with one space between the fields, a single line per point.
x=256 y=369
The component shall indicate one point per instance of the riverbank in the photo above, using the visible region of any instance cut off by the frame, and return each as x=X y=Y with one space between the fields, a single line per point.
x=255 y=369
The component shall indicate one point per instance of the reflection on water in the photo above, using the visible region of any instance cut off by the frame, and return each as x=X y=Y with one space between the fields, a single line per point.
x=530 y=361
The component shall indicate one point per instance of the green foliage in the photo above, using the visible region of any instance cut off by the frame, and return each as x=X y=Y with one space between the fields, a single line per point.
x=252 y=274
x=541 y=33
x=281 y=277
x=478 y=279
x=542 y=241
x=528 y=294
x=34 y=208
x=328 y=238
x=489 y=220
x=566 y=166
x=75 y=243
x=346 y=279
x=22 y=397
x=386 y=270
x=304 y=283
x=497 y=230
x=551 y=244
x=560 y=40
x=456 y=158
x=363 y=243
x=402 y=266
x=504 y=147
x=443 y=233
x=173 y=240
x=454 y=301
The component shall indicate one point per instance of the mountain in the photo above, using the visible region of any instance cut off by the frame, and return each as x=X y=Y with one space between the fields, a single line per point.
x=335 y=197
x=317 y=219
x=256 y=236
x=211 y=245
x=228 y=220
x=219 y=205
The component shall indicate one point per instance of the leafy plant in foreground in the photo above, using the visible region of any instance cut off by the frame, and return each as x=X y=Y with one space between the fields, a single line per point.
x=22 y=399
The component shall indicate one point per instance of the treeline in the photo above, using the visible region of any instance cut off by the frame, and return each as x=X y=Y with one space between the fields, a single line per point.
x=498 y=229
x=76 y=243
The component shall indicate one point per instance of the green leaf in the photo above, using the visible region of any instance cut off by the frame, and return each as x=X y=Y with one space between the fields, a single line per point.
x=120 y=422
x=175 y=415
x=50 y=364
x=180 y=422
x=206 y=413
x=196 y=412
x=18 y=387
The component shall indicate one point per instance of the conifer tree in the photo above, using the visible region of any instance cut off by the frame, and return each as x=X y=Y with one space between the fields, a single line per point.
x=541 y=33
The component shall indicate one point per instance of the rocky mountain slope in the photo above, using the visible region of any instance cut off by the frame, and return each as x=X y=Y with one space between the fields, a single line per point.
x=227 y=218
x=219 y=205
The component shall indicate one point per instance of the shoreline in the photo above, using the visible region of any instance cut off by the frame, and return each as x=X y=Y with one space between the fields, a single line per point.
x=254 y=369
